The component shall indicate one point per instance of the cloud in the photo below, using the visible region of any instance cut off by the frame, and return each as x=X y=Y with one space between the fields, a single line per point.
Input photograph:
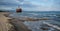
x=32 y=5
x=20 y=0
x=9 y=4
x=43 y=5
x=3 y=7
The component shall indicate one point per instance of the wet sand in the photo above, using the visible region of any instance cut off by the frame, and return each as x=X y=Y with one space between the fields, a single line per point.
x=15 y=24
x=6 y=23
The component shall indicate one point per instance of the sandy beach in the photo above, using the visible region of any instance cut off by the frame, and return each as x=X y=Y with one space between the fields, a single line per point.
x=4 y=22
x=14 y=24
x=7 y=23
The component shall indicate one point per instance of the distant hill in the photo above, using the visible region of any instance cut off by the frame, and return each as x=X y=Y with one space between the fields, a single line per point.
x=3 y=11
x=7 y=10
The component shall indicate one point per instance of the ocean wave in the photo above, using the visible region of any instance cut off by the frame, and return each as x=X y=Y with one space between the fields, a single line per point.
x=33 y=13
x=54 y=26
x=37 y=25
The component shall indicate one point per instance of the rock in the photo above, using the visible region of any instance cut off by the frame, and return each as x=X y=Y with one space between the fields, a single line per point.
x=6 y=15
x=18 y=25
x=43 y=19
x=44 y=28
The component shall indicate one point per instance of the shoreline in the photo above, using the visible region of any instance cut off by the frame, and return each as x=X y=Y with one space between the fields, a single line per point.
x=9 y=25
x=16 y=24
x=4 y=22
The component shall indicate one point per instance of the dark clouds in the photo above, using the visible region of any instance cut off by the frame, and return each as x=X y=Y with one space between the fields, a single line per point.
x=31 y=4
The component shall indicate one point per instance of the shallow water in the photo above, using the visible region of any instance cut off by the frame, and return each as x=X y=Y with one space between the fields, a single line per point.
x=37 y=25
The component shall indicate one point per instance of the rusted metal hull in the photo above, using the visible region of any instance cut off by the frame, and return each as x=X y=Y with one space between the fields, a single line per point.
x=18 y=10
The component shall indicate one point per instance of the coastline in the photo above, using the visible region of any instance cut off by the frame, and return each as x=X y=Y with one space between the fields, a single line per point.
x=9 y=24
x=20 y=24
x=4 y=26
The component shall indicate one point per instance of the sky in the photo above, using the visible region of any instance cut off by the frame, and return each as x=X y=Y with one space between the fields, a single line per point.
x=31 y=5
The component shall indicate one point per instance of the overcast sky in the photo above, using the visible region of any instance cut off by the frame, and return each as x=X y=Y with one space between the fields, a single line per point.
x=31 y=5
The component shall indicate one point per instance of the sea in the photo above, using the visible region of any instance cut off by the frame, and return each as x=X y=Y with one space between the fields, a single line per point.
x=43 y=25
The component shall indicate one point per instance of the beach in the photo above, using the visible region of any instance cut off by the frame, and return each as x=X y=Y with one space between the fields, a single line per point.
x=14 y=22
x=6 y=23
x=17 y=24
